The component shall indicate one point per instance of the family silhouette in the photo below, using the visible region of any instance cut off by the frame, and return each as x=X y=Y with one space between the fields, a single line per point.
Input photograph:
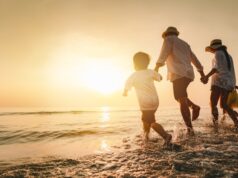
x=179 y=58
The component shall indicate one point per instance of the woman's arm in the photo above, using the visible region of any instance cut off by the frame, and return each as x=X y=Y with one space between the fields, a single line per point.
x=213 y=71
x=206 y=77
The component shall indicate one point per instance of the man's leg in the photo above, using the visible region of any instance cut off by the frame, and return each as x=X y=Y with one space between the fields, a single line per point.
x=195 y=108
x=191 y=104
x=180 y=94
x=184 y=109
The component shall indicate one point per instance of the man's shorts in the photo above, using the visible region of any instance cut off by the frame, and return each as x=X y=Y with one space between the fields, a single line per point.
x=148 y=116
x=180 y=87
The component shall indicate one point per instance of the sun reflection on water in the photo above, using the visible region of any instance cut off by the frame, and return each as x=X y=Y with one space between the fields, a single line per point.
x=105 y=114
x=104 y=146
x=105 y=108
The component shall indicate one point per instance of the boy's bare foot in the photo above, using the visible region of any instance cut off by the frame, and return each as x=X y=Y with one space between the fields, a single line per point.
x=146 y=138
x=167 y=140
x=196 y=112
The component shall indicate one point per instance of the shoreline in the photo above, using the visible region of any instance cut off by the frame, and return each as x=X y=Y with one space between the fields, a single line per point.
x=205 y=155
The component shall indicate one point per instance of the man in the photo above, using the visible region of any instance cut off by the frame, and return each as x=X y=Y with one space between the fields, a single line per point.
x=178 y=56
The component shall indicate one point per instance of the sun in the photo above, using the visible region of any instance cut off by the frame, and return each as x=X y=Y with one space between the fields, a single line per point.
x=100 y=75
x=103 y=77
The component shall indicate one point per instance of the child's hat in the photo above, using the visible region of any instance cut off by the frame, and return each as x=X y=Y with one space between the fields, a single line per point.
x=214 y=44
x=170 y=31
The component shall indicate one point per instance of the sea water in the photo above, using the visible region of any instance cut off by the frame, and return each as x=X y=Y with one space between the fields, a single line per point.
x=34 y=134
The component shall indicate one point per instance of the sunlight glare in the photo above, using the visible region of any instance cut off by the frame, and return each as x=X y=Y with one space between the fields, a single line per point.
x=103 y=77
x=104 y=146
x=105 y=117
x=105 y=114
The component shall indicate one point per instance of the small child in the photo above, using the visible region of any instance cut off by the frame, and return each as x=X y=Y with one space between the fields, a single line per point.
x=143 y=82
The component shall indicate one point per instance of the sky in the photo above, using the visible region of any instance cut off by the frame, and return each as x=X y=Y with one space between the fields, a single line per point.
x=78 y=53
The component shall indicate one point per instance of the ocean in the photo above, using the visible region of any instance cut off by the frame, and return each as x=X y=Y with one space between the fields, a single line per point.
x=33 y=135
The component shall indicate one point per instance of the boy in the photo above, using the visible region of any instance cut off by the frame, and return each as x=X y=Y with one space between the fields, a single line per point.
x=143 y=82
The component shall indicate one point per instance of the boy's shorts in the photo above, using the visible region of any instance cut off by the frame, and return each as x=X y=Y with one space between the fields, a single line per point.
x=148 y=116
x=180 y=87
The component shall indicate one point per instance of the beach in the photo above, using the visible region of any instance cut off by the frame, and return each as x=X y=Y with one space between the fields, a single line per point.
x=121 y=152
x=83 y=81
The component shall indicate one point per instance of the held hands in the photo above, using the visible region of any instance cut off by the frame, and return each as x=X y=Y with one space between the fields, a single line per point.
x=156 y=69
x=204 y=79
x=161 y=78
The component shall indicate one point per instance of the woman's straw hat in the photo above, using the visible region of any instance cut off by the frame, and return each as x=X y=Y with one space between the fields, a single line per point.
x=170 y=31
x=215 y=44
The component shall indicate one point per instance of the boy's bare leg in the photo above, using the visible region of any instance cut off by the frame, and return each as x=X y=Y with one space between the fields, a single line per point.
x=146 y=127
x=184 y=109
x=195 y=108
x=160 y=130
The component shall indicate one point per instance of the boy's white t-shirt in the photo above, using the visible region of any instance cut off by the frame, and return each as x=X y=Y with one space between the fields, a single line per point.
x=143 y=82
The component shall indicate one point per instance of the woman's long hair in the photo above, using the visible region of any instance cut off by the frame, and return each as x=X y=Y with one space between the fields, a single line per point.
x=224 y=49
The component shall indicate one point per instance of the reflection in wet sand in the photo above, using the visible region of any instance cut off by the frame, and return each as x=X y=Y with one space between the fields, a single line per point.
x=104 y=146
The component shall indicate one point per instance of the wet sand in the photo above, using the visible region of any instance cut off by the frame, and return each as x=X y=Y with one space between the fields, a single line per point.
x=207 y=154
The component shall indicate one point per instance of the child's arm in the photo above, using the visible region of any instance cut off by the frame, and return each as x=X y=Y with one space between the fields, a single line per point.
x=128 y=86
x=157 y=76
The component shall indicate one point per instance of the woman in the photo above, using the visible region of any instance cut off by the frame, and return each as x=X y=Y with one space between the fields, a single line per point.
x=223 y=80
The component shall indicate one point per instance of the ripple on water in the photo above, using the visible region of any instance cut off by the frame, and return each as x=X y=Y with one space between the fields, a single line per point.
x=23 y=136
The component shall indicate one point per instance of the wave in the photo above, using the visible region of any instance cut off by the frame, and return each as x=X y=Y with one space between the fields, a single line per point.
x=42 y=112
x=22 y=136
x=59 y=112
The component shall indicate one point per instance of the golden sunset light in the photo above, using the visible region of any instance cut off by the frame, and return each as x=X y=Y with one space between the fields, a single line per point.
x=103 y=77
x=86 y=49
x=118 y=88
